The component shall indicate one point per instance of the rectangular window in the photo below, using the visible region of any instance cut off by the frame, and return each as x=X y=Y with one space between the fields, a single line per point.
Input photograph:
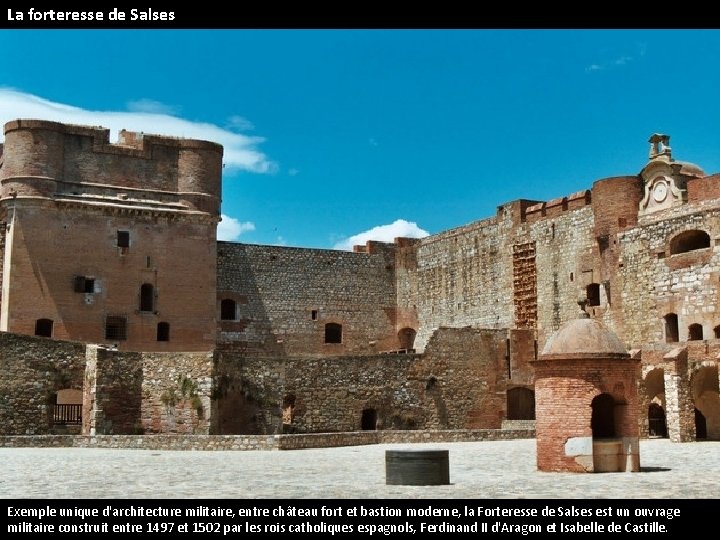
x=116 y=328
x=314 y=314
x=123 y=239
x=84 y=284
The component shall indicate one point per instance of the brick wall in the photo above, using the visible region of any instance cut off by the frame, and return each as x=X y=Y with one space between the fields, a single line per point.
x=66 y=192
x=564 y=391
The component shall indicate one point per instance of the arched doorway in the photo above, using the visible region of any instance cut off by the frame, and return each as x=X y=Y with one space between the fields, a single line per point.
x=520 y=404
x=706 y=397
x=654 y=390
x=288 y=410
x=406 y=337
x=603 y=417
x=700 y=426
x=368 y=421
x=657 y=427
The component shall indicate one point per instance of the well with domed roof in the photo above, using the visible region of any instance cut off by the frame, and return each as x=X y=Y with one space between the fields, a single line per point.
x=586 y=401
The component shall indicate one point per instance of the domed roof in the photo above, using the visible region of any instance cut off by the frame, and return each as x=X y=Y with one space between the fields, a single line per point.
x=583 y=338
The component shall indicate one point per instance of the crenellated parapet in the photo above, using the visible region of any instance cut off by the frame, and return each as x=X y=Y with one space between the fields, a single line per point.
x=43 y=159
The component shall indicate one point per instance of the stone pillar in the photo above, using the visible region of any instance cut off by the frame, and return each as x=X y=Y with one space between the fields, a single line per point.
x=680 y=411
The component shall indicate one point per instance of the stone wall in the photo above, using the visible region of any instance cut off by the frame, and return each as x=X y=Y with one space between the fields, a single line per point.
x=458 y=383
x=285 y=297
x=463 y=277
x=135 y=393
x=262 y=442
x=32 y=370
x=657 y=282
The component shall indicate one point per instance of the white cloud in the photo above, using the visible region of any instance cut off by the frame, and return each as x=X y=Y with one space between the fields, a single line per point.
x=150 y=106
x=240 y=123
x=384 y=233
x=621 y=60
x=293 y=172
x=240 y=150
x=230 y=229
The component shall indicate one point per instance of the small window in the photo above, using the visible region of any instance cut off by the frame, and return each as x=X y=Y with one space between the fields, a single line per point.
x=116 y=328
x=147 y=297
x=84 y=284
x=333 y=333
x=592 y=292
x=716 y=331
x=123 y=239
x=227 y=310
x=314 y=314
x=689 y=241
x=671 y=328
x=695 y=332
x=43 y=327
x=163 y=331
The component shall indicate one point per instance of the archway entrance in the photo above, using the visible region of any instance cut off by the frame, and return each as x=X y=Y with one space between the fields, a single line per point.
x=406 y=337
x=700 y=426
x=368 y=420
x=704 y=387
x=603 y=417
x=657 y=427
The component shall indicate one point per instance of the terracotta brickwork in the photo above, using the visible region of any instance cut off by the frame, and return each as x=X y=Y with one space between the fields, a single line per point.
x=89 y=224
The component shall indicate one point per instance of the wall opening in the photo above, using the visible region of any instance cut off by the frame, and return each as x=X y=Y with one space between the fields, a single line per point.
x=603 y=417
x=333 y=333
x=115 y=328
x=689 y=241
x=288 y=409
x=592 y=293
x=716 y=332
x=44 y=327
x=314 y=314
x=406 y=337
x=67 y=409
x=163 y=331
x=671 y=328
x=520 y=404
x=700 y=426
x=147 y=297
x=705 y=388
x=695 y=332
x=84 y=284
x=123 y=239
x=368 y=420
x=657 y=426
x=227 y=309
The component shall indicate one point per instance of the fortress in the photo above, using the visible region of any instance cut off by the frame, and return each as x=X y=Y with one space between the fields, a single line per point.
x=120 y=313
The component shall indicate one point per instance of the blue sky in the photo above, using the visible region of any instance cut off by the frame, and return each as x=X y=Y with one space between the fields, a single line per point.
x=330 y=134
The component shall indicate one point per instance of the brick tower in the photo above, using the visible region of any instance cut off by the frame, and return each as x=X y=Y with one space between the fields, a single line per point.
x=109 y=243
x=586 y=401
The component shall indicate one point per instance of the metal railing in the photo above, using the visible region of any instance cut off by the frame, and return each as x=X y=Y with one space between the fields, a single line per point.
x=67 y=414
